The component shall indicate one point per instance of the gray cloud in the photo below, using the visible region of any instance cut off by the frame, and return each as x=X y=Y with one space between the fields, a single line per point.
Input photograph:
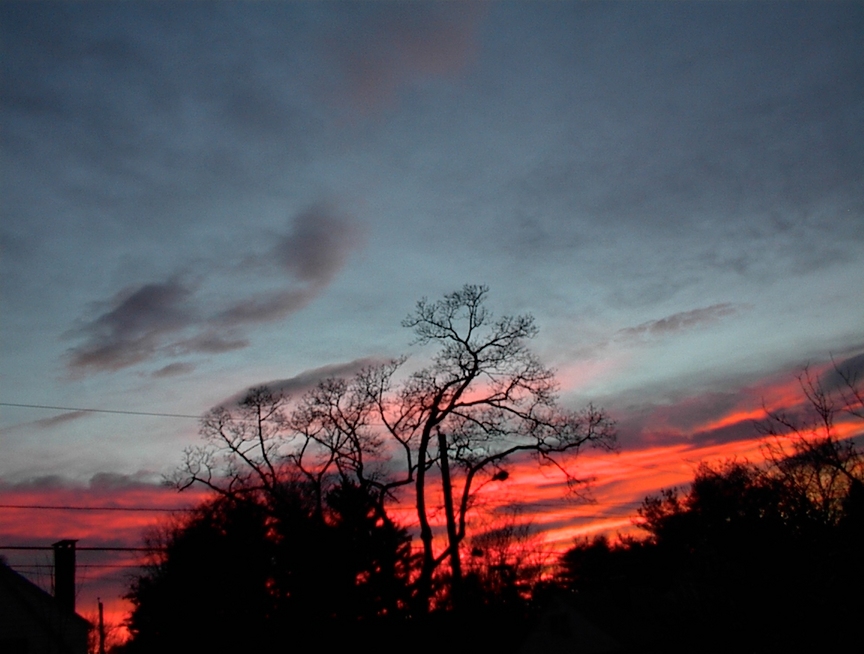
x=62 y=419
x=43 y=482
x=739 y=431
x=265 y=307
x=717 y=417
x=46 y=423
x=102 y=481
x=143 y=323
x=156 y=319
x=317 y=246
x=208 y=342
x=315 y=249
x=172 y=369
x=306 y=380
x=134 y=328
x=680 y=321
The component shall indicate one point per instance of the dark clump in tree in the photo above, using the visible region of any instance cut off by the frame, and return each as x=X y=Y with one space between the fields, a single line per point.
x=505 y=564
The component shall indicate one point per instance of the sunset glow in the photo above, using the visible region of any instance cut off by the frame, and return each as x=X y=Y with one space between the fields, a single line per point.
x=618 y=482
x=200 y=199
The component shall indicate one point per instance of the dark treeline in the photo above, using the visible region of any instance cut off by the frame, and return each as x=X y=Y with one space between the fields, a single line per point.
x=755 y=559
x=245 y=575
x=752 y=558
x=249 y=572
x=737 y=564
x=296 y=549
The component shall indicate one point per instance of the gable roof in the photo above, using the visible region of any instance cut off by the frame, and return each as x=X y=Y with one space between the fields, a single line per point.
x=37 y=611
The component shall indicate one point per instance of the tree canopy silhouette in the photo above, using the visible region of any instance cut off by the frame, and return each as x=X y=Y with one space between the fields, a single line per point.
x=239 y=574
x=441 y=430
x=764 y=556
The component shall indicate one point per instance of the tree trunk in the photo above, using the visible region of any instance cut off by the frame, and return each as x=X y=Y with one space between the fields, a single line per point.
x=424 y=583
x=452 y=534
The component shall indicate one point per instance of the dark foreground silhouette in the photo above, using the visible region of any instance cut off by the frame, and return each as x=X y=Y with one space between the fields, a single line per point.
x=749 y=559
x=745 y=561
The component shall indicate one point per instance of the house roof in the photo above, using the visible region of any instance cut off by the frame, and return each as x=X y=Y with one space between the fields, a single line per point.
x=44 y=611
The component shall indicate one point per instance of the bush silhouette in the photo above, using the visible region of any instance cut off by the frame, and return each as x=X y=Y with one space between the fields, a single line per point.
x=239 y=574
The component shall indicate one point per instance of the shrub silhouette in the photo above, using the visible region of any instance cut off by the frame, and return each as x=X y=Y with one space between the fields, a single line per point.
x=237 y=574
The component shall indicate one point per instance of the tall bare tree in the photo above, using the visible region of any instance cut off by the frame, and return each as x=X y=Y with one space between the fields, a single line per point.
x=484 y=398
x=447 y=428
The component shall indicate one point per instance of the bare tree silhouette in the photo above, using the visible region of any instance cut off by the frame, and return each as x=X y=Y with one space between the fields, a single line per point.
x=822 y=473
x=446 y=428
x=506 y=561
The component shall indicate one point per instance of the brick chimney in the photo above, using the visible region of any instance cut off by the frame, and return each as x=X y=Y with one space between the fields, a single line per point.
x=64 y=573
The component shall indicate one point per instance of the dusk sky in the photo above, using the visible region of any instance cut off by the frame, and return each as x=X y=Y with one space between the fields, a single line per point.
x=202 y=197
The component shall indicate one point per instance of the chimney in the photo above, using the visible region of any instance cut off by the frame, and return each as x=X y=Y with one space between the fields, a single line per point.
x=64 y=573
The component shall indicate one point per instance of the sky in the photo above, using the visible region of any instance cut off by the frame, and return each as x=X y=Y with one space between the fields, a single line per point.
x=201 y=197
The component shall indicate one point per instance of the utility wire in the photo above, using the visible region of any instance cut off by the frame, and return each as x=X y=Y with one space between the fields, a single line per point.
x=39 y=566
x=116 y=411
x=83 y=549
x=143 y=509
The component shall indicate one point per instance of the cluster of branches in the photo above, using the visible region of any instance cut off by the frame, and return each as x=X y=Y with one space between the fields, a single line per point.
x=450 y=426
x=507 y=561
x=820 y=471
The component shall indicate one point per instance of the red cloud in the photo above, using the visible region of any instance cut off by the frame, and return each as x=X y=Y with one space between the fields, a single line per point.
x=102 y=574
x=689 y=432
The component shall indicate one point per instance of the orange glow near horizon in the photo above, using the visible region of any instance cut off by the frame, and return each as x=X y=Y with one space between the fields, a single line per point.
x=619 y=482
x=576 y=377
x=100 y=574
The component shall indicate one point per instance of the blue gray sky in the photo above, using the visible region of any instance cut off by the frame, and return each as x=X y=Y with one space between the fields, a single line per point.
x=201 y=197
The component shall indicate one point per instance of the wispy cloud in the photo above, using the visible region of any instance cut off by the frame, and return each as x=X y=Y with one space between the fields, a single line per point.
x=682 y=321
x=315 y=249
x=306 y=380
x=138 y=490
x=45 y=423
x=722 y=417
x=173 y=369
x=62 y=419
x=209 y=342
x=134 y=328
x=265 y=307
x=844 y=371
x=168 y=319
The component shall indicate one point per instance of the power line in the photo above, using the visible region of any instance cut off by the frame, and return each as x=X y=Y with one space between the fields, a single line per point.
x=87 y=410
x=154 y=509
x=40 y=566
x=142 y=509
x=83 y=549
